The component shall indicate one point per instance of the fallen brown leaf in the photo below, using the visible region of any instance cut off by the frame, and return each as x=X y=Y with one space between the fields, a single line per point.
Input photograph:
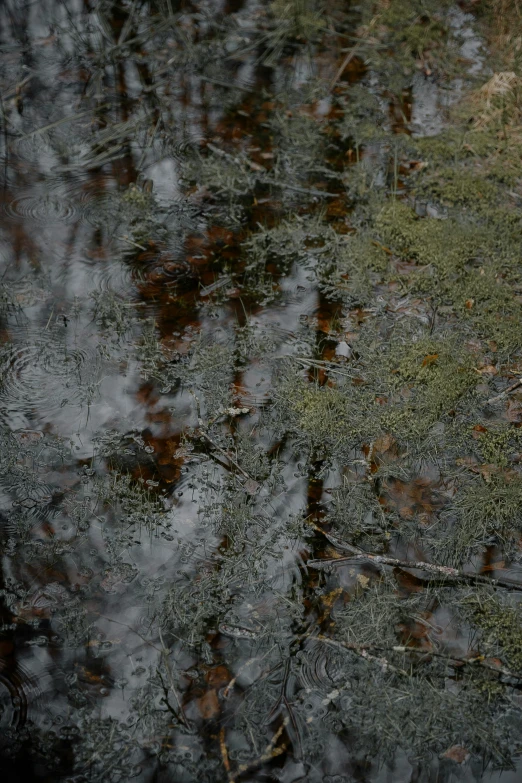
x=456 y=753
x=208 y=705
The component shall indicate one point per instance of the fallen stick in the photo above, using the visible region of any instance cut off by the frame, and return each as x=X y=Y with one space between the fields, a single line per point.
x=505 y=392
x=377 y=652
x=447 y=572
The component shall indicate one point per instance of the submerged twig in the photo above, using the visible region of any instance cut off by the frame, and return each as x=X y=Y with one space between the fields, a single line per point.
x=270 y=752
x=349 y=56
x=447 y=572
x=181 y=711
x=318 y=363
x=130 y=242
x=374 y=653
x=252 y=485
x=478 y=660
x=364 y=651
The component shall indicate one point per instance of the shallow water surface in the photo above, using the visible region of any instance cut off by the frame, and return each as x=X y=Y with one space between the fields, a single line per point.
x=261 y=499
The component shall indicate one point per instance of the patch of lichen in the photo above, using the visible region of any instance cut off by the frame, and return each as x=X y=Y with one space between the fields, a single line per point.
x=500 y=623
x=363 y=117
x=494 y=312
x=470 y=266
x=323 y=416
x=496 y=444
x=285 y=242
x=446 y=245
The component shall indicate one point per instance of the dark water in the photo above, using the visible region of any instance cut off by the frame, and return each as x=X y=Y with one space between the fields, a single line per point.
x=177 y=178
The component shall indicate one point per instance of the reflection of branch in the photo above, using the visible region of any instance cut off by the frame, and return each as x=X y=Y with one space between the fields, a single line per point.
x=69 y=118
x=454 y=574
x=126 y=625
x=282 y=701
x=251 y=485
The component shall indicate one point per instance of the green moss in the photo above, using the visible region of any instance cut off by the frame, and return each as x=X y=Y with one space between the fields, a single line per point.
x=298 y=18
x=495 y=445
x=428 y=377
x=500 y=623
x=484 y=513
x=457 y=186
x=352 y=268
x=320 y=412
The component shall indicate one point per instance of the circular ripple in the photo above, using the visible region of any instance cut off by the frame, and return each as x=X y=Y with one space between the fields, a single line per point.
x=18 y=692
x=51 y=208
x=44 y=374
x=321 y=668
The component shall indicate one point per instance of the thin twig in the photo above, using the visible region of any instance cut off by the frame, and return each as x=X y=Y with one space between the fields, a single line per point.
x=181 y=711
x=479 y=660
x=270 y=752
x=51 y=125
x=318 y=363
x=364 y=651
x=505 y=392
x=447 y=572
x=349 y=57
x=224 y=751
x=130 y=242
x=253 y=484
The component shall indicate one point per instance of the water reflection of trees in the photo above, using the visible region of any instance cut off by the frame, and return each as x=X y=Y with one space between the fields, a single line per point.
x=165 y=166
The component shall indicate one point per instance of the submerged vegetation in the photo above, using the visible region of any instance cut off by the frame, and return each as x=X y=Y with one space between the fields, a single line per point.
x=260 y=390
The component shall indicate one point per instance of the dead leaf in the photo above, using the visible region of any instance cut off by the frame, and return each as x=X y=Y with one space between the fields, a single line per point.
x=487 y=471
x=456 y=753
x=430 y=359
x=383 y=443
x=208 y=705
x=495 y=566
x=218 y=676
x=411 y=498
x=514 y=411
